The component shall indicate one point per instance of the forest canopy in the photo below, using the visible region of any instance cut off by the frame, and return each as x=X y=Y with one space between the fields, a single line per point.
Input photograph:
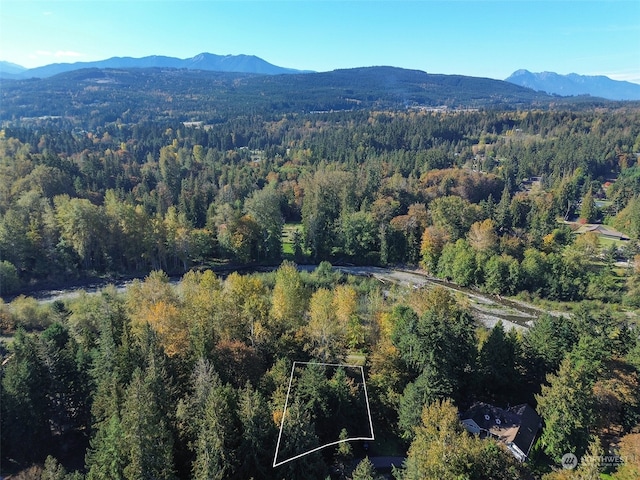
x=363 y=187
x=183 y=372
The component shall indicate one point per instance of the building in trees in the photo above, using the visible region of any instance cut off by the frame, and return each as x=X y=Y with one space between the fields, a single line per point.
x=516 y=427
x=602 y=230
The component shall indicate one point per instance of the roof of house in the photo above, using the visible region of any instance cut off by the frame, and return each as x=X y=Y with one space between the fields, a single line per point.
x=518 y=424
x=601 y=230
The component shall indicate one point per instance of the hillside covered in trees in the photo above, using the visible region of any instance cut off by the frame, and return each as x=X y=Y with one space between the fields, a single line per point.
x=181 y=379
x=92 y=97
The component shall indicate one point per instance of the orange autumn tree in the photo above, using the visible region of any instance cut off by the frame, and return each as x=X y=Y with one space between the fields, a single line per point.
x=166 y=320
x=433 y=241
x=155 y=302
x=630 y=452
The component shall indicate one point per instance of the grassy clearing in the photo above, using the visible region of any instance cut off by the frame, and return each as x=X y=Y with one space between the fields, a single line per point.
x=356 y=359
x=287 y=238
x=606 y=242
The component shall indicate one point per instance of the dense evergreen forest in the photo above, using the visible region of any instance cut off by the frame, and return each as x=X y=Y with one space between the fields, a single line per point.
x=188 y=379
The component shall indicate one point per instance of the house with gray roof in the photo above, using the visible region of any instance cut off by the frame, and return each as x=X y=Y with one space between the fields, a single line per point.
x=516 y=427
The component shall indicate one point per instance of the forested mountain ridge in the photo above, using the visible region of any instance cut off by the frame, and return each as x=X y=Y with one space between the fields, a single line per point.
x=202 y=61
x=96 y=96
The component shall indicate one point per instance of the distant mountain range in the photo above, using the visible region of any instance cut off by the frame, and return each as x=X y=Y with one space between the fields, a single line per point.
x=574 y=84
x=203 y=61
x=97 y=96
x=549 y=82
x=10 y=69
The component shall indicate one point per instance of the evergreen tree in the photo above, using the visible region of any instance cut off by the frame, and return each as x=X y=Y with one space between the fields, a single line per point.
x=147 y=440
x=208 y=423
x=344 y=453
x=106 y=457
x=365 y=471
x=502 y=212
x=326 y=196
x=566 y=405
x=67 y=365
x=588 y=209
x=216 y=454
x=442 y=340
x=24 y=402
x=545 y=345
x=298 y=437
x=258 y=435
x=496 y=370
x=427 y=388
x=53 y=470
x=105 y=374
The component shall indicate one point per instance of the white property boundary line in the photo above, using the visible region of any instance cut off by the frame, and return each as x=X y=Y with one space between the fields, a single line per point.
x=286 y=402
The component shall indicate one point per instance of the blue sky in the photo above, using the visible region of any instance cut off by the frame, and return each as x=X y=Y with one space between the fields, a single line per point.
x=486 y=38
